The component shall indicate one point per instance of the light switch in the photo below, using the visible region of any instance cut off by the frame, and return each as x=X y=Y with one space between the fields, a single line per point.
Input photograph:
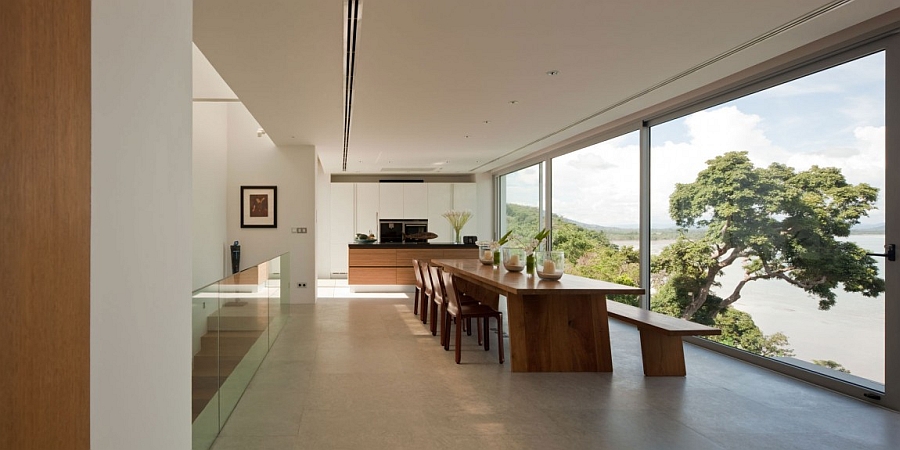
x=302 y=230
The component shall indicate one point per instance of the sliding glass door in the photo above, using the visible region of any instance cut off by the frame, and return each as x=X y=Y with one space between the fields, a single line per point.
x=776 y=198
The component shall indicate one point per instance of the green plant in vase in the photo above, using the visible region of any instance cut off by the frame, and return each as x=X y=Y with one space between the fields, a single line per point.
x=495 y=246
x=532 y=245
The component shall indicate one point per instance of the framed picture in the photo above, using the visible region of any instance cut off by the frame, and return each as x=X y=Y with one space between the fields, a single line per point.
x=259 y=208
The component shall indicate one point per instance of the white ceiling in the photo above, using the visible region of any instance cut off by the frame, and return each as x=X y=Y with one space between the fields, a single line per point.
x=434 y=80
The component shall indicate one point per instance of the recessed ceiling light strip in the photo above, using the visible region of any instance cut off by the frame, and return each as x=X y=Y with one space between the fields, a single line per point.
x=772 y=33
x=353 y=9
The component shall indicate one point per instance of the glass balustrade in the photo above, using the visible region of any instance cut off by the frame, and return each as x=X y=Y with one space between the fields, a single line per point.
x=235 y=321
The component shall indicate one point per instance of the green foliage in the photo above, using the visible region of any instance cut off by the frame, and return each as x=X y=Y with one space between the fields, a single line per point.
x=784 y=225
x=830 y=364
x=739 y=330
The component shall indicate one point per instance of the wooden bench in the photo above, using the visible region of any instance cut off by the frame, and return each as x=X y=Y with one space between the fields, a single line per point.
x=661 y=346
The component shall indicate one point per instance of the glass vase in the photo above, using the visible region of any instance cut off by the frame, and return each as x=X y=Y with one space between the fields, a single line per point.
x=496 y=257
x=513 y=259
x=456 y=238
x=550 y=265
x=529 y=264
x=485 y=254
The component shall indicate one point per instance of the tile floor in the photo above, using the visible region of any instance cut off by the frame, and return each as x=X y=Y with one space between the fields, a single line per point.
x=359 y=372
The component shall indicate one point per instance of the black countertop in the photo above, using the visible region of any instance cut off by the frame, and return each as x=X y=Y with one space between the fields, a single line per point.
x=396 y=245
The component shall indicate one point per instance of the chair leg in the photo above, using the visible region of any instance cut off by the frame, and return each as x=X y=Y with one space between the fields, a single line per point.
x=499 y=335
x=434 y=314
x=416 y=301
x=459 y=339
x=425 y=302
x=443 y=323
x=484 y=325
x=445 y=337
x=482 y=337
x=468 y=327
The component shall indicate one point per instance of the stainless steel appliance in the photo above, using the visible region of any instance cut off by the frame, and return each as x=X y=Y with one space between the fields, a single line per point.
x=412 y=227
x=391 y=230
x=399 y=230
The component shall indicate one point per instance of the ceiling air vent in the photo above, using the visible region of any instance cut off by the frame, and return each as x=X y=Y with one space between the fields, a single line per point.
x=408 y=169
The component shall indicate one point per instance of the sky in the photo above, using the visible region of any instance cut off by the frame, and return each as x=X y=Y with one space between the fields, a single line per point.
x=833 y=118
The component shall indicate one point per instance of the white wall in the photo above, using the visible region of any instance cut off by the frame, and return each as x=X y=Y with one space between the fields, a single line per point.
x=210 y=150
x=211 y=257
x=257 y=161
x=140 y=224
x=323 y=216
x=484 y=193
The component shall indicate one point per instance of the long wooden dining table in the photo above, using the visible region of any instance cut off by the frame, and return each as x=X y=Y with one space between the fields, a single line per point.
x=554 y=326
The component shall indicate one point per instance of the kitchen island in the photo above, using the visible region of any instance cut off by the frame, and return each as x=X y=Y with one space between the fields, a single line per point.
x=391 y=263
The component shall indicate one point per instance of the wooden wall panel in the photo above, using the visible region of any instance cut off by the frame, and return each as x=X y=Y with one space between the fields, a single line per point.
x=45 y=224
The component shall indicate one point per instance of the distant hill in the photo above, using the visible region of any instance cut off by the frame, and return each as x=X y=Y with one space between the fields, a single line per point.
x=877 y=228
x=633 y=234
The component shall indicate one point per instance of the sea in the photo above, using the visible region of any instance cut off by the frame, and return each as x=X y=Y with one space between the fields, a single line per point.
x=851 y=333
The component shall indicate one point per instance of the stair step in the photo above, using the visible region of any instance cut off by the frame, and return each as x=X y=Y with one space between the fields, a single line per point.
x=237 y=323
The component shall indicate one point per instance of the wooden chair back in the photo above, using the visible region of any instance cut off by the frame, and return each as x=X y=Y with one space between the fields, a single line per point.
x=426 y=279
x=418 y=270
x=450 y=294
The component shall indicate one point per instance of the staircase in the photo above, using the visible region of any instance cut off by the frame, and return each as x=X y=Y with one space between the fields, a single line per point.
x=232 y=332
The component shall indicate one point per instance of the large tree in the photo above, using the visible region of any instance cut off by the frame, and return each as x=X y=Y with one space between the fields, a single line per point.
x=780 y=223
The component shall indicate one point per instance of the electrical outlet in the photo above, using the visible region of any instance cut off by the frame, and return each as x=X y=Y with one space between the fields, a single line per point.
x=302 y=285
x=302 y=230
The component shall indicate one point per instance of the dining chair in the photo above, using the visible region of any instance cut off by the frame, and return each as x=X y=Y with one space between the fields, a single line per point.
x=463 y=312
x=419 y=286
x=439 y=306
x=427 y=289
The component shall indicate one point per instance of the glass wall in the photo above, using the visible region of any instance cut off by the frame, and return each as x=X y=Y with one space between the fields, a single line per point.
x=596 y=210
x=761 y=211
x=766 y=206
x=521 y=201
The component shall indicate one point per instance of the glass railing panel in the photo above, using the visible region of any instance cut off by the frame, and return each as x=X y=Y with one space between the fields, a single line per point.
x=278 y=288
x=235 y=322
x=243 y=324
x=205 y=365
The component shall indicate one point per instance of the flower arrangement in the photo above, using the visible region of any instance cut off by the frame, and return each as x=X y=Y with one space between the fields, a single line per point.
x=534 y=243
x=457 y=220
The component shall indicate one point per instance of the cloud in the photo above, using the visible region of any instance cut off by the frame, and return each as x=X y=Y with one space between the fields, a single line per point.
x=841 y=126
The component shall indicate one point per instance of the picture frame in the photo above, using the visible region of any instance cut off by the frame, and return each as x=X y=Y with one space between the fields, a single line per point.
x=259 y=207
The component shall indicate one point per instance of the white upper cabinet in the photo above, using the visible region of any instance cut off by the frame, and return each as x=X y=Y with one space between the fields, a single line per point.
x=440 y=200
x=367 y=213
x=341 y=225
x=415 y=200
x=390 y=201
x=464 y=198
x=403 y=200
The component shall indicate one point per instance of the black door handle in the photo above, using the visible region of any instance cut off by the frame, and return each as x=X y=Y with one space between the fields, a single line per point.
x=890 y=252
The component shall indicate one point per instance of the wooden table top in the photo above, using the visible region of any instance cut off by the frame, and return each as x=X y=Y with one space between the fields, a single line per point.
x=520 y=283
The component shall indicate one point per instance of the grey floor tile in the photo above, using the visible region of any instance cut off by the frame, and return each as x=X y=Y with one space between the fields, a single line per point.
x=366 y=373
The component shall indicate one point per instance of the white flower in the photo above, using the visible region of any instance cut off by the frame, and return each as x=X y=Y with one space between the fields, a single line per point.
x=457 y=219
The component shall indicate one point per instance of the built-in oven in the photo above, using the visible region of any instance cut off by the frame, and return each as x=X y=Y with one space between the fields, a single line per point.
x=414 y=230
x=391 y=230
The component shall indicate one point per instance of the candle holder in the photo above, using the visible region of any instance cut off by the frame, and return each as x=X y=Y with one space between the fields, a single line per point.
x=486 y=254
x=550 y=265
x=513 y=259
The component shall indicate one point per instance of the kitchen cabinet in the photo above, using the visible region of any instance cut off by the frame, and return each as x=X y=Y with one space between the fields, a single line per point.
x=390 y=203
x=440 y=200
x=390 y=264
x=465 y=198
x=415 y=200
x=403 y=200
x=341 y=230
x=367 y=213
